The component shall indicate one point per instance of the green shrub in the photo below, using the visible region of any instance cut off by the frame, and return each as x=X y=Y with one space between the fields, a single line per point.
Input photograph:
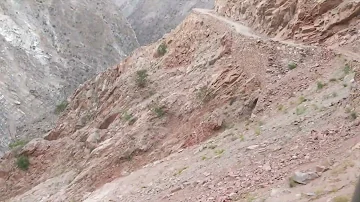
x=353 y=115
x=320 y=85
x=128 y=157
x=292 y=65
x=126 y=116
x=300 y=110
x=158 y=110
x=347 y=69
x=141 y=78
x=61 y=107
x=162 y=49
x=23 y=162
x=129 y=118
x=17 y=143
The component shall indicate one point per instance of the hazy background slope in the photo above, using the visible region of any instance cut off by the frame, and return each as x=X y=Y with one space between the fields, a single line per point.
x=48 y=48
x=151 y=19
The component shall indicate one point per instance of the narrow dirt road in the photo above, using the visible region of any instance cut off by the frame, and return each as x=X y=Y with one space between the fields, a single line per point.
x=240 y=28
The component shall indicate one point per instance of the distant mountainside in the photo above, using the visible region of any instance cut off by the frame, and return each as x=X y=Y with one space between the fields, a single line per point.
x=48 y=48
x=151 y=19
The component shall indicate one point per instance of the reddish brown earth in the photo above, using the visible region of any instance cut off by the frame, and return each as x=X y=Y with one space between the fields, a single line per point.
x=221 y=116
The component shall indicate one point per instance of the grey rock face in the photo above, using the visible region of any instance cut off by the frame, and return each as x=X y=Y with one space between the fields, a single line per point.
x=48 y=48
x=151 y=19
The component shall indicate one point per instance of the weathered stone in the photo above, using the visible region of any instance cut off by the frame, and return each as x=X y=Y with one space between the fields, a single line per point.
x=321 y=169
x=304 y=178
x=35 y=147
x=357 y=146
x=267 y=167
x=207 y=174
x=176 y=189
x=252 y=147
x=277 y=192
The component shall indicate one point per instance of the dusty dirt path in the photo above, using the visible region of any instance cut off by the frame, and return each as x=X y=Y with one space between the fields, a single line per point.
x=240 y=28
x=243 y=29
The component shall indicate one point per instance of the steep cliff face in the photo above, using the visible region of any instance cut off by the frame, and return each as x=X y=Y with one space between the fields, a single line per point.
x=48 y=49
x=211 y=112
x=334 y=22
x=151 y=19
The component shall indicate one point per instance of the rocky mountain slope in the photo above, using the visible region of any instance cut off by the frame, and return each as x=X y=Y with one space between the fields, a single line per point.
x=214 y=111
x=48 y=49
x=333 y=23
x=151 y=19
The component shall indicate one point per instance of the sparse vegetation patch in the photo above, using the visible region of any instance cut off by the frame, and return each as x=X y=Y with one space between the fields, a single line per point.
x=292 y=65
x=23 y=162
x=353 y=115
x=340 y=199
x=61 y=107
x=347 y=69
x=17 y=143
x=162 y=49
x=129 y=118
x=242 y=138
x=158 y=110
x=141 y=78
x=320 y=85
x=300 y=110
